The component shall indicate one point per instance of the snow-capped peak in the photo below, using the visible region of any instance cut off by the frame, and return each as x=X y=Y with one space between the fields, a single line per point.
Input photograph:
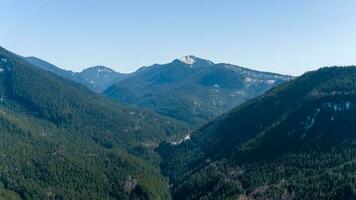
x=189 y=60
x=103 y=69
x=98 y=69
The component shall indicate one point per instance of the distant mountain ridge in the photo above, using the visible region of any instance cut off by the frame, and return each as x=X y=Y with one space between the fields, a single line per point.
x=285 y=138
x=96 y=78
x=189 y=89
x=100 y=77
x=192 y=89
x=50 y=67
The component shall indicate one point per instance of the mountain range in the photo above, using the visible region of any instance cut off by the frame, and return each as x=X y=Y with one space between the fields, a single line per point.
x=60 y=140
x=191 y=89
x=189 y=129
x=297 y=141
x=96 y=78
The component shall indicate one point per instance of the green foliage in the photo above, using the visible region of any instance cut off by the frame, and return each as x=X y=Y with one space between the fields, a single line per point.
x=61 y=141
x=295 y=142
x=193 y=93
x=7 y=194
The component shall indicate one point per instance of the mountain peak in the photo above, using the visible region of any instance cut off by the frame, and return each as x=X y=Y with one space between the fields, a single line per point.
x=191 y=59
x=100 y=77
x=99 y=69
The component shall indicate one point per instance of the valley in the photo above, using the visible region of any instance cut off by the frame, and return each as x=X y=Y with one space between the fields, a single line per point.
x=271 y=137
x=177 y=100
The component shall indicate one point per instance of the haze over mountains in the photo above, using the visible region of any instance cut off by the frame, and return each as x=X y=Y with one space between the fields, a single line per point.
x=96 y=78
x=189 y=129
x=190 y=89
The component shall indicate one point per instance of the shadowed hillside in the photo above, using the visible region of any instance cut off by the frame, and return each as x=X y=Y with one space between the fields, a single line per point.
x=295 y=142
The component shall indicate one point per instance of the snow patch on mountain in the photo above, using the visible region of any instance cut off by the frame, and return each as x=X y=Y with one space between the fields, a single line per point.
x=249 y=80
x=311 y=120
x=348 y=105
x=189 y=60
x=338 y=106
x=104 y=69
x=216 y=85
x=332 y=107
x=271 y=81
x=181 y=140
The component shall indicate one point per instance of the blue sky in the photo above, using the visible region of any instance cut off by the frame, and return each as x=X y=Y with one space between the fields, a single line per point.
x=284 y=36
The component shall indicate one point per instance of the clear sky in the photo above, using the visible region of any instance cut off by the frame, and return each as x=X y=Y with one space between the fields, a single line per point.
x=285 y=36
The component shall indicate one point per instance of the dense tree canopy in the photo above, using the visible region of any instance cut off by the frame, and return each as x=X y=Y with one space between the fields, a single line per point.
x=61 y=141
x=295 y=142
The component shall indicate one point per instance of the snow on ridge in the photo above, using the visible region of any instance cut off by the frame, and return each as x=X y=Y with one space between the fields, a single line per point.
x=256 y=79
x=104 y=69
x=189 y=60
x=248 y=79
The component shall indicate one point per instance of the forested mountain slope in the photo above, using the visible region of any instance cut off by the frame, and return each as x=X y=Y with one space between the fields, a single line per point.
x=298 y=141
x=192 y=89
x=61 y=141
